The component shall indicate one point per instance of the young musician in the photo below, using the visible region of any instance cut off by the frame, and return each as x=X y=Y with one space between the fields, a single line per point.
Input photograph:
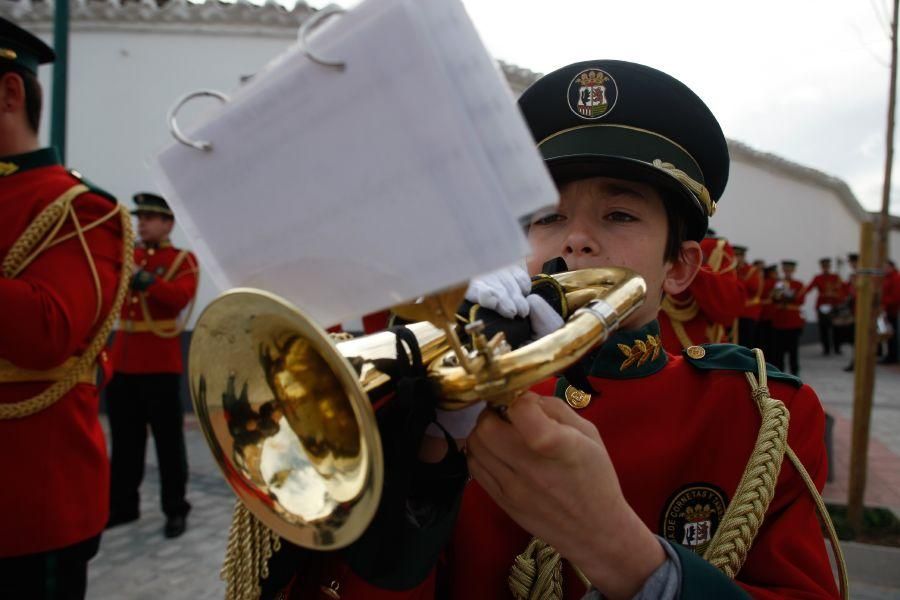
x=629 y=477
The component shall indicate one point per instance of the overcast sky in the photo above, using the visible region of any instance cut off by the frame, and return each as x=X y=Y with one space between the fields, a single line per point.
x=804 y=79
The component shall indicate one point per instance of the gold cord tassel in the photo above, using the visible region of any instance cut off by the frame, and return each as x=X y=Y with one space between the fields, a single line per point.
x=536 y=574
x=744 y=516
x=250 y=546
x=40 y=235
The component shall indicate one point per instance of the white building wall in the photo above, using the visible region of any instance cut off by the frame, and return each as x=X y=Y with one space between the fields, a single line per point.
x=125 y=75
x=779 y=217
x=121 y=86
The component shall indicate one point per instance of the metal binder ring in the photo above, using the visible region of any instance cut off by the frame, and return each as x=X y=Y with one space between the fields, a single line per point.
x=173 y=123
x=308 y=25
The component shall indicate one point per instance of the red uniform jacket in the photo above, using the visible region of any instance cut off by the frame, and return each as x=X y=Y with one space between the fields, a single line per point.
x=54 y=465
x=707 y=310
x=830 y=289
x=890 y=292
x=136 y=349
x=679 y=432
x=752 y=279
x=767 y=312
x=375 y=322
x=788 y=305
x=850 y=287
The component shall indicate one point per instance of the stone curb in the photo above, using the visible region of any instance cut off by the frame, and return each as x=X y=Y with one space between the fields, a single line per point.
x=868 y=563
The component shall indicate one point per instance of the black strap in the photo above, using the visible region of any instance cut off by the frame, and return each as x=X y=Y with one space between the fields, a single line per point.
x=407 y=364
x=577 y=375
x=413 y=365
x=554 y=266
x=402 y=421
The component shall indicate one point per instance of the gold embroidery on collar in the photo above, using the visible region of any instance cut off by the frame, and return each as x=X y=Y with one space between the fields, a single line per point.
x=8 y=168
x=641 y=352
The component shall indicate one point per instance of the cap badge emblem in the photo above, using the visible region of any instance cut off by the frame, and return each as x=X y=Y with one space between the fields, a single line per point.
x=693 y=514
x=592 y=94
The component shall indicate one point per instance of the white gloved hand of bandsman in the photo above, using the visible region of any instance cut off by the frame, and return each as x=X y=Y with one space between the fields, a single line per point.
x=506 y=292
x=502 y=291
x=458 y=423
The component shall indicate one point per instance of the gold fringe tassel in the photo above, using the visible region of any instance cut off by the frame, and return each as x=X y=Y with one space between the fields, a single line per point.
x=536 y=574
x=250 y=546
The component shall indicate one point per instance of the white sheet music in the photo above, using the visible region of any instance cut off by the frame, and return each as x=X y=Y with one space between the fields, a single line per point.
x=349 y=191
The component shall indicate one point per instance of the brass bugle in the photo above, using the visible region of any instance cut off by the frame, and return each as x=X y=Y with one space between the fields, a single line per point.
x=288 y=413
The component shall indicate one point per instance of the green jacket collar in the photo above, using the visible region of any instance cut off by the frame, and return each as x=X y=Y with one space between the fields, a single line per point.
x=18 y=163
x=629 y=354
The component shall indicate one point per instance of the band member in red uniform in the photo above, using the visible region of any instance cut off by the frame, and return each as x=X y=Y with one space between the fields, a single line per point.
x=65 y=252
x=830 y=294
x=787 y=320
x=146 y=353
x=765 y=331
x=707 y=312
x=617 y=479
x=752 y=278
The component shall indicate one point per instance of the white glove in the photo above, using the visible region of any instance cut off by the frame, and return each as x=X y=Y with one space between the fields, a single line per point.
x=458 y=423
x=543 y=318
x=502 y=291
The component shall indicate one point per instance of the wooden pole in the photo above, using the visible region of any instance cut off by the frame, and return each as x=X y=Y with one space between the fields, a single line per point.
x=869 y=300
x=864 y=378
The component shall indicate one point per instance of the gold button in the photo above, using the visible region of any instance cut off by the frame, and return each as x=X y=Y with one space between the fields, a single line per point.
x=151 y=251
x=332 y=591
x=696 y=352
x=577 y=398
x=134 y=299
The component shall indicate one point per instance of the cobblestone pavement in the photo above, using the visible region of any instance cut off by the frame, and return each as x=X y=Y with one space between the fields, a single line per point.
x=835 y=388
x=137 y=563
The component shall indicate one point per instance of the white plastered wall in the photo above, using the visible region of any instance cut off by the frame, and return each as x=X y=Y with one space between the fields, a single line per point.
x=124 y=77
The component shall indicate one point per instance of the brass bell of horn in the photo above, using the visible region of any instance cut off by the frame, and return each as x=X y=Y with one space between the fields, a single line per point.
x=288 y=413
